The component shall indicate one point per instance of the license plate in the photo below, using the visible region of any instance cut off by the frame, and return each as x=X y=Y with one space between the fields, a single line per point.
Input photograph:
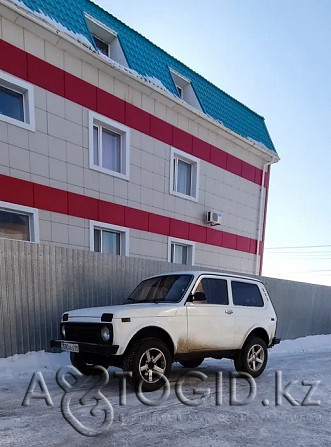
x=71 y=347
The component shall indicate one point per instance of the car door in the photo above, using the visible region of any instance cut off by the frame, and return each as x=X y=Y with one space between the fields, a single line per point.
x=210 y=323
x=249 y=306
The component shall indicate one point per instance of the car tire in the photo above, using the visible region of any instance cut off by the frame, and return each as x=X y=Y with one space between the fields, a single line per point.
x=253 y=357
x=149 y=360
x=85 y=363
x=191 y=363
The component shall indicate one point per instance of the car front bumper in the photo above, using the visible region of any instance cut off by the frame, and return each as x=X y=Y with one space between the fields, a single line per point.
x=78 y=346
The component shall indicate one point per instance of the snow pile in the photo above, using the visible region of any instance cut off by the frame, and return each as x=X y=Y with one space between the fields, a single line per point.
x=22 y=365
x=150 y=79
x=258 y=144
x=155 y=81
x=79 y=37
x=304 y=344
x=216 y=120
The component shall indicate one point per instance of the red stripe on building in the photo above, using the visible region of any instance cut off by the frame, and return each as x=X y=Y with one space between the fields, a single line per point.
x=30 y=68
x=46 y=198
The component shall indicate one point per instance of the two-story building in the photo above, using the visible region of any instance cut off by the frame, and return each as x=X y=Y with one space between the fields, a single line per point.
x=109 y=144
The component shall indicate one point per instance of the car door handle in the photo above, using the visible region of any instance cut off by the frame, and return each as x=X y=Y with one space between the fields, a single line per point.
x=229 y=311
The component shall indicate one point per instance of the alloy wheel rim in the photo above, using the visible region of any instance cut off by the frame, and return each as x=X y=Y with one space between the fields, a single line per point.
x=255 y=357
x=152 y=365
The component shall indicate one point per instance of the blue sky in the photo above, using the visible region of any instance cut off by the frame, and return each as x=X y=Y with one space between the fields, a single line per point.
x=274 y=56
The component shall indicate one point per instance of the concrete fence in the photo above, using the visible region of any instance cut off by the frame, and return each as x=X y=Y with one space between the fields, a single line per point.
x=39 y=282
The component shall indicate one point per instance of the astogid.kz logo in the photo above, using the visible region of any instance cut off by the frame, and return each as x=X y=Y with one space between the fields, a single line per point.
x=89 y=390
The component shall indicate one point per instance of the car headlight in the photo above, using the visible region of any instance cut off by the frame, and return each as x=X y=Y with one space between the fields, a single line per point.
x=63 y=330
x=105 y=334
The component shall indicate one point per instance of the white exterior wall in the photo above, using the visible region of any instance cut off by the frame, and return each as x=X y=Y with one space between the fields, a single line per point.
x=57 y=155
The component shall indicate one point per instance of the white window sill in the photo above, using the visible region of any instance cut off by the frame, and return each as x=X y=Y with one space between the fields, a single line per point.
x=18 y=123
x=110 y=172
x=184 y=196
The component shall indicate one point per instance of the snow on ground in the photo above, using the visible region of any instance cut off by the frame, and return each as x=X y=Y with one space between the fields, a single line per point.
x=12 y=368
x=303 y=344
x=26 y=364
x=304 y=363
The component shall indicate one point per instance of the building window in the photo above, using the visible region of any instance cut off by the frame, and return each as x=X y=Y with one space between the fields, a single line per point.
x=185 y=89
x=106 y=238
x=109 y=146
x=106 y=241
x=106 y=148
x=18 y=222
x=106 y=40
x=16 y=101
x=184 y=175
x=180 y=91
x=181 y=251
x=12 y=103
x=102 y=46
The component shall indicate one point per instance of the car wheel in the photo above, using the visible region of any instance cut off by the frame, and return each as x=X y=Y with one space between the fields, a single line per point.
x=191 y=363
x=253 y=357
x=85 y=363
x=149 y=361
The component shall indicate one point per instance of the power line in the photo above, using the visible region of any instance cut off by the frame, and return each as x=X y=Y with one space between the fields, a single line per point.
x=300 y=253
x=297 y=247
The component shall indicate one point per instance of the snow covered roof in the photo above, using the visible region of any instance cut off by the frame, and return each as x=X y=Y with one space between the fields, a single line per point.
x=152 y=63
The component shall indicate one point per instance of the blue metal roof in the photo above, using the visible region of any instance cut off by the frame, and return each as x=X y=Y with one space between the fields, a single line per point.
x=149 y=60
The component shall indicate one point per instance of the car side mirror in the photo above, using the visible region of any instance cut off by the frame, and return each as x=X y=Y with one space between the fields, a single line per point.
x=199 y=296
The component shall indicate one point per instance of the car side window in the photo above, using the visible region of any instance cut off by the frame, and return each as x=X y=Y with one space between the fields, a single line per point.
x=246 y=294
x=215 y=289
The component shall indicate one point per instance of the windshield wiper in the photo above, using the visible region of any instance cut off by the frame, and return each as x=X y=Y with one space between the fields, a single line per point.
x=129 y=300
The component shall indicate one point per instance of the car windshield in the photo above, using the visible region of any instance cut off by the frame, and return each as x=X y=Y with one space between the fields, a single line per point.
x=161 y=289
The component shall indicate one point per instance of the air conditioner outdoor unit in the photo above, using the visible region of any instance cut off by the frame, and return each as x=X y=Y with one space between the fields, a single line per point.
x=213 y=217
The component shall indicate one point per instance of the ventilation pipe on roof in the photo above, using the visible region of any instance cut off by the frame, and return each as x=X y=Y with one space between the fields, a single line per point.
x=262 y=208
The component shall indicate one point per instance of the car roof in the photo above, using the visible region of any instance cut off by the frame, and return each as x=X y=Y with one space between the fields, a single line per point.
x=198 y=273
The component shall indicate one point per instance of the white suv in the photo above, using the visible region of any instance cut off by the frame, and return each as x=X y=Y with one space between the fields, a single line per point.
x=184 y=317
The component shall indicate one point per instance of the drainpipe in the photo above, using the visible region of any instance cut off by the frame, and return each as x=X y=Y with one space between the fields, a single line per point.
x=262 y=207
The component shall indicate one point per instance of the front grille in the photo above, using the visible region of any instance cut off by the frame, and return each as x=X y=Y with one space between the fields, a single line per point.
x=86 y=332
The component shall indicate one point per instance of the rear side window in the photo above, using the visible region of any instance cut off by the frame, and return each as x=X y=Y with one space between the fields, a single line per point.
x=246 y=294
x=215 y=289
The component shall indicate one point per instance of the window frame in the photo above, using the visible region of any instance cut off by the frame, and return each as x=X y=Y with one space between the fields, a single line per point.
x=180 y=91
x=232 y=280
x=215 y=277
x=33 y=214
x=177 y=154
x=26 y=89
x=187 y=92
x=189 y=244
x=124 y=236
x=100 y=121
x=95 y=38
